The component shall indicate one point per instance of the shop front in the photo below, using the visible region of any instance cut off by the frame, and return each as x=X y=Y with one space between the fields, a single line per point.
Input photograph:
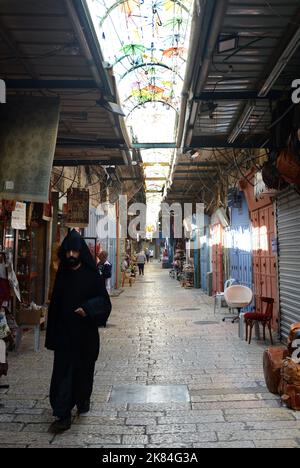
x=262 y=214
x=219 y=223
x=288 y=230
x=240 y=248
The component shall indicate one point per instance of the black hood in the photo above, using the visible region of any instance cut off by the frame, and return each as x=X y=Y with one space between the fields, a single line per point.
x=74 y=241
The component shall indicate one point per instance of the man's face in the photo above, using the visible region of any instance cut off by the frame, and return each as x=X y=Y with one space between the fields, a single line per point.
x=73 y=258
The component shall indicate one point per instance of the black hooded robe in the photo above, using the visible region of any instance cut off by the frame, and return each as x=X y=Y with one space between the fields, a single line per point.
x=74 y=339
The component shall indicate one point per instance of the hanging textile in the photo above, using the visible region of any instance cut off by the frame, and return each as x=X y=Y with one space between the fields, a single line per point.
x=28 y=133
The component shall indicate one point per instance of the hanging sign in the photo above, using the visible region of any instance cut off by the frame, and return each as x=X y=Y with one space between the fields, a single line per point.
x=78 y=208
x=18 y=217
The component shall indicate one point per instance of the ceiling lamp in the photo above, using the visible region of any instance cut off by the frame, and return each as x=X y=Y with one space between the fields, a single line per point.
x=110 y=106
x=227 y=43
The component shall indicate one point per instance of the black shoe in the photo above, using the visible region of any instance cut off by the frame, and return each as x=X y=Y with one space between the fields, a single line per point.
x=84 y=407
x=61 y=425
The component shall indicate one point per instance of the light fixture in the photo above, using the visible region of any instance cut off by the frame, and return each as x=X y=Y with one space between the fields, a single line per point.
x=250 y=108
x=110 y=106
x=195 y=154
x=226 y=43
x=281 y=64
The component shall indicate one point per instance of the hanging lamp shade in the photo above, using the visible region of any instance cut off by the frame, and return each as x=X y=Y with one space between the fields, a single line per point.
x=154 y=89
x=174 y=52
x=133 y=49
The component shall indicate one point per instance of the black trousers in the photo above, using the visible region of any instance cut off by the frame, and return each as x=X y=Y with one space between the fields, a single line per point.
x=71 y=383
x=141 y=268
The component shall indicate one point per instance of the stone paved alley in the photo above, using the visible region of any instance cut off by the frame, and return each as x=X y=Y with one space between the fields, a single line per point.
x=155 y=337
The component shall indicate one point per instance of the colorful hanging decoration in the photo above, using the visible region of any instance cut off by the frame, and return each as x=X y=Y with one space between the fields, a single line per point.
x=174 y=52
x=133 y=49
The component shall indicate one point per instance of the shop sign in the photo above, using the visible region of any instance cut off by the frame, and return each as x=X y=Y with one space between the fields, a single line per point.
x=18 y=217
x=78 y=208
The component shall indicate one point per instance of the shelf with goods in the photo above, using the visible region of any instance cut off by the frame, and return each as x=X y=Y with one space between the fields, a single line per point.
x=30 y=263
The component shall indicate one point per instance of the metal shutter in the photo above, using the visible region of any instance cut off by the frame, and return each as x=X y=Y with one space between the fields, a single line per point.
x=288 y=225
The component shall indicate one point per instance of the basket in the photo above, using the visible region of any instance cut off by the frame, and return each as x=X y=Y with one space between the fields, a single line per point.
x=28 y=316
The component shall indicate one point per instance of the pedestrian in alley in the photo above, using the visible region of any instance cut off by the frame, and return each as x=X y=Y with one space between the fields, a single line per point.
x=105 y=268
x=79 y=305
x=141 y=260
x=147 y=253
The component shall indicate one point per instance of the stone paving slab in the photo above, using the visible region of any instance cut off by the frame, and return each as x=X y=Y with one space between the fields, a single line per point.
x=152 y=339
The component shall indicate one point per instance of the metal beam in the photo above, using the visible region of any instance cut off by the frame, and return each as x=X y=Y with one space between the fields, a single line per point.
x=216 y=142
x=141 y=146
x=163 y=164
x=190 y=179
x=79 y=14
x=192 y=173
x=178 y=193
x=91 y=144
x=205 y=164
x=154 y=191
x=51 y=84
x=237 y=96
x=87 y=162
x=156 y=178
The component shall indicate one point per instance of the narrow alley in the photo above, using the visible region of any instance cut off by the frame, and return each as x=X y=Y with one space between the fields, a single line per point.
x=210 y=389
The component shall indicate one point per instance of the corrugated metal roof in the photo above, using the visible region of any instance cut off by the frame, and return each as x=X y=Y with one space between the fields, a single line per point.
x=39 y=42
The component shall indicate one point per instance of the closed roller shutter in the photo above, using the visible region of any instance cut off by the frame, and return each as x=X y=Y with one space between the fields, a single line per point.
x=288 y=225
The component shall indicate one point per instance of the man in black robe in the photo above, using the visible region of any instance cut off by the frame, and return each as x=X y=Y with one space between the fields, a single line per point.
x=79 y=305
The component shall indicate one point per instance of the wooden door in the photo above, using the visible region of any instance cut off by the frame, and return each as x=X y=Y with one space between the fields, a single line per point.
x=217 y=258
x=264 y=260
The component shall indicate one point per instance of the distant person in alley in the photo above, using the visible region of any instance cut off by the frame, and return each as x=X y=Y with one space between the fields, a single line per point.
x=79 y=305
x=147 y=253
x=105 y=268
x=141 y=260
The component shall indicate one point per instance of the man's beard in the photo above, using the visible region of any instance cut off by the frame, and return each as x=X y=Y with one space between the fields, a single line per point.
x=73 y=262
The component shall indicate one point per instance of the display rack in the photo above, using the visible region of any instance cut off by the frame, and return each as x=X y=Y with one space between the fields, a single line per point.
x=29 y=263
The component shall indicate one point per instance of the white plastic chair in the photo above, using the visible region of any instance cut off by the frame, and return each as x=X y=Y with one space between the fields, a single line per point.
x=238 y=297
x=219 y=297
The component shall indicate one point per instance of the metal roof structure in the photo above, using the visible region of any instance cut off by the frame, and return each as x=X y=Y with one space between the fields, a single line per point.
x=49 y=48
x=243 y=57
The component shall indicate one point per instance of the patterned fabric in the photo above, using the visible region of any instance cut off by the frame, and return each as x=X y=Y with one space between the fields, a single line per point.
x=28 y=134
x=4 y=328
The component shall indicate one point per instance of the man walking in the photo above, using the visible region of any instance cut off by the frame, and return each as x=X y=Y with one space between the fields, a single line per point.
x=141 y=260
x=79 y=305
x=105 y=268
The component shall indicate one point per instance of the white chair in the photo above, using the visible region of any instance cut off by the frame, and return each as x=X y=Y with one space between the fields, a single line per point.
x=219 y=297
x=238 y=297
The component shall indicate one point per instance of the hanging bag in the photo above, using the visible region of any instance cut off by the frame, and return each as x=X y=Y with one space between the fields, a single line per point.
x=289 y=167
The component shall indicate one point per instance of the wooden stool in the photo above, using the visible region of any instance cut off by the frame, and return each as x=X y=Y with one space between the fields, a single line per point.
x=127 y=277
x=37 y=334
